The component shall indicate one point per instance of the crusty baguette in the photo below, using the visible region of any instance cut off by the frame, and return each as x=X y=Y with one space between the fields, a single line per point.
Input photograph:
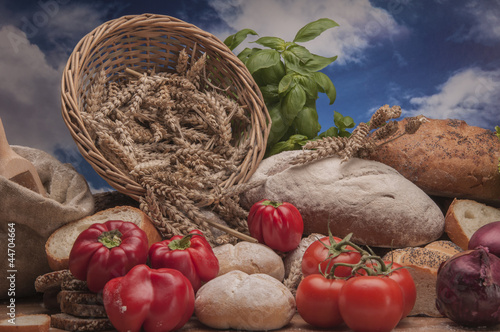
x=465 y=217
x=71 y=323
x=423 y=264
x=447 y=158
x=59 y=244
x=26 y=323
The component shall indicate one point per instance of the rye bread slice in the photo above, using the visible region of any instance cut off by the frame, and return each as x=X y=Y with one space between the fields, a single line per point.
x=71 y=323
x=52 y=279
x=83 y=310
x=80 y=297
x=74 y=285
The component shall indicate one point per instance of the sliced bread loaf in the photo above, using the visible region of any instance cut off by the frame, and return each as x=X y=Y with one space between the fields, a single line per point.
x=465 y=217
x=26 y=323
x=423 y=264
x=59 y=244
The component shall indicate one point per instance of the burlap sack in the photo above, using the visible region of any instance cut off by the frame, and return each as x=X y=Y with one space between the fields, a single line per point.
x=34 y=218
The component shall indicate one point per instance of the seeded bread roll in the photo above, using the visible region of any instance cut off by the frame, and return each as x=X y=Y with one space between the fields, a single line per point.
x=447 y=158
x=423 y=263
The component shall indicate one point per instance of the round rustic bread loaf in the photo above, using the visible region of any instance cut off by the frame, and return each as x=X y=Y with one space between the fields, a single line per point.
x=447 y=158
x=367 y=198
x=236 y=300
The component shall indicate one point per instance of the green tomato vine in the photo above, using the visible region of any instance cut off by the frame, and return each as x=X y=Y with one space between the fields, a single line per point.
x=290 y=79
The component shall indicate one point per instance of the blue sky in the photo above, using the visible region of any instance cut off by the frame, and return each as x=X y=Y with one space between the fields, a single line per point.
x=439 y=58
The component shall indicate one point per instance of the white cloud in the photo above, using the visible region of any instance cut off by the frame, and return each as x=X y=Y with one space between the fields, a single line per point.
x=30 y=108
x=30 y=90
x=485 y=19
x=470 y=94
x=361 y=24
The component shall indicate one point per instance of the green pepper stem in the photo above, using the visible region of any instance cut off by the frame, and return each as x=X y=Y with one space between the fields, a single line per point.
x=274 y=204
x=182 y=243
x=110 y=239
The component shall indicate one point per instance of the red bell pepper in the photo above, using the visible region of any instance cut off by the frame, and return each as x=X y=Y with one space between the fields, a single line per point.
x=190 y=254
x=278 y=225
x=106 y=251
x=155 y=300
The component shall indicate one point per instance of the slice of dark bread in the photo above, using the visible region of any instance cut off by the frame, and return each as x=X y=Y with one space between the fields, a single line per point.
x=52 y=279
x=71 y=323
x=80 y=297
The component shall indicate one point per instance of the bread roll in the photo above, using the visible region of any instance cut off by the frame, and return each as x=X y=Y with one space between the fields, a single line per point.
x=465 y=217
x=423 y=263
x=250 y=258
x=240 y=301
x=447 y=158
x=59 y=244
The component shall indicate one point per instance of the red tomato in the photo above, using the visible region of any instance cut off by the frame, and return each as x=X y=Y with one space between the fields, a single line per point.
x=277 y=225
x=318 y=252
x=190 y=254
x=371 y=303
x=317 y=300
x=403 y=277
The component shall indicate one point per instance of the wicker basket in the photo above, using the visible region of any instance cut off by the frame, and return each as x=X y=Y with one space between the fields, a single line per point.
x=146 y=42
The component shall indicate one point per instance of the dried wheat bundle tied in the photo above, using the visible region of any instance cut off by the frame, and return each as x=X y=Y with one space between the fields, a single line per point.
x=174 y=134
x=364 y=139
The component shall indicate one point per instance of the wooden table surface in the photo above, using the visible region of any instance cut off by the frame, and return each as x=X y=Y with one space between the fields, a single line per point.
x=35 y=306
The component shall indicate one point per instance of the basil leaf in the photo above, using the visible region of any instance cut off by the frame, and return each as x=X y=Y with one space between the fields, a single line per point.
x=278 y=127
x=285 y=83
x=294 y=63
x=236 y=39
x=262 y=59
x=292 y=103
x=292 y=143
x=314 y=29
x=300 y=52
x=270 y=93
x=309 y=85
x=317 y=62
x=325 y=85
x=275 y=43
x=270 y=75
x=246 y=53
x=307 y=123
x=330 y=132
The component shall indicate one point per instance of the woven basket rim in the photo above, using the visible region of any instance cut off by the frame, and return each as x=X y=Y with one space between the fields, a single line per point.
x=87 y=47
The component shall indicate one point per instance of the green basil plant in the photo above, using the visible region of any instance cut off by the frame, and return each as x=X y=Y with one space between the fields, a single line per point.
x=290 y=79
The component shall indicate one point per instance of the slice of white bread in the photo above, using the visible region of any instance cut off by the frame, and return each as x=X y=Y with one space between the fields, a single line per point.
x=464 y=217
x=27 y=323
x=59 y=244
x=423 y=264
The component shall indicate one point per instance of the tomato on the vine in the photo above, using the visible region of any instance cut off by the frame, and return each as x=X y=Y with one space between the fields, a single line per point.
x=371 y=303
x=317 y=300
x=404 y=279
x=322 y=253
